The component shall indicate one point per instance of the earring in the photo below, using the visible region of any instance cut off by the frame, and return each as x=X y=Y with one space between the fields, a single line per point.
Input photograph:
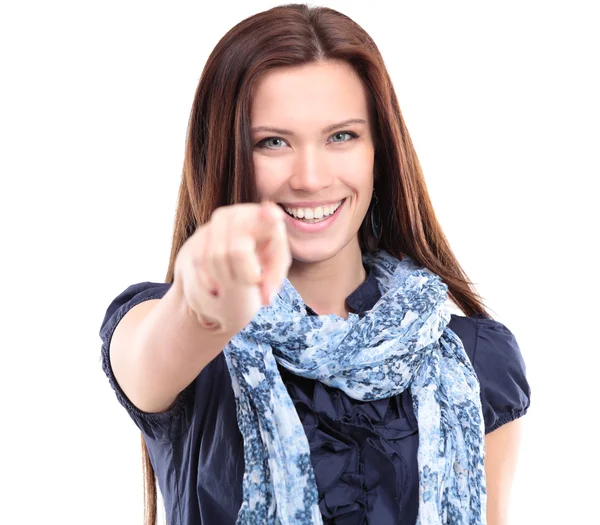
x=375 y=217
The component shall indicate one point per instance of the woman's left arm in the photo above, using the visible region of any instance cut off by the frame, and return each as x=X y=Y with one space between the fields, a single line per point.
x=501 y=452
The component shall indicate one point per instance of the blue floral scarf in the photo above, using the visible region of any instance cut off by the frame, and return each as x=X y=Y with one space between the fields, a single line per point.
x=402 y=342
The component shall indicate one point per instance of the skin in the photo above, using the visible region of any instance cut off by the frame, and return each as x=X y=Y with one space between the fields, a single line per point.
x=301 y=154
x=317 y=160
x=501 y=454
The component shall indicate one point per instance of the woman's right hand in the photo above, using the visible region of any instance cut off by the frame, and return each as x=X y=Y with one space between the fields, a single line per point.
x=233 y=264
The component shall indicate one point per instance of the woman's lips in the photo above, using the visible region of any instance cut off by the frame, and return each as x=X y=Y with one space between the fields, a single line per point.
x=314 y=227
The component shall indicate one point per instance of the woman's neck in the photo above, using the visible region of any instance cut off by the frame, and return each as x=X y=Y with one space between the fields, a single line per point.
x=324 y=286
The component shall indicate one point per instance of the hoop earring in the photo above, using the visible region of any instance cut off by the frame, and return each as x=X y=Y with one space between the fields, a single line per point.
x=375 y=217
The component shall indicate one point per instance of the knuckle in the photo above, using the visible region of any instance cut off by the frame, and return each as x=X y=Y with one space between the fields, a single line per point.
x=217 y=213
x=217 y=258
x=196 y=260
x=216 y=253
x=240 y=250
x=220 y=254
x=193 y=281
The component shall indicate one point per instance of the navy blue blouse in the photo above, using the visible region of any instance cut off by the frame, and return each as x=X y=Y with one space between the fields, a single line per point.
x=364 y=454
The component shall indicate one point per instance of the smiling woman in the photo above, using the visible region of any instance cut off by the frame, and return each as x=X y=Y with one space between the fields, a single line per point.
x=322 y=163
x=300 y=364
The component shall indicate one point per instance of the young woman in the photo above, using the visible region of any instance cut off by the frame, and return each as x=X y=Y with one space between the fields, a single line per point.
x=301 y=364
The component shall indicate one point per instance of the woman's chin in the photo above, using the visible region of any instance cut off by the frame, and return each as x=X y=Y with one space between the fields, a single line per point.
x=317 y=251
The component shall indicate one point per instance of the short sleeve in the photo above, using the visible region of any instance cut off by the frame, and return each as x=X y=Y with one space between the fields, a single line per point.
x=162 y=426
x=505 y=392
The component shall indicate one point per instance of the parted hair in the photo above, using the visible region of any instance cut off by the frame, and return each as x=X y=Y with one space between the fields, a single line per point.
x=218 y=168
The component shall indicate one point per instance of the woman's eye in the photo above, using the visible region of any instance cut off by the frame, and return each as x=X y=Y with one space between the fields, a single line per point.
x=343 y=136
x=271 y=143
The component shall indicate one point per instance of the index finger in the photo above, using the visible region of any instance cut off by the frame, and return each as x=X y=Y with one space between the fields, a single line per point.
x=274 y=254
x=270 y=222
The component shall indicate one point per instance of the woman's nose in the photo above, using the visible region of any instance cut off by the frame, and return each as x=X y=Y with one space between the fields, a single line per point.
x=310 y=172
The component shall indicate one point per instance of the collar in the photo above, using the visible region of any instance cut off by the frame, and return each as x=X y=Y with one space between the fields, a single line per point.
x=362 y=299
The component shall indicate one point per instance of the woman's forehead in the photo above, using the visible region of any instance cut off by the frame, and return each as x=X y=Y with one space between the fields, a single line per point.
x=318 y=92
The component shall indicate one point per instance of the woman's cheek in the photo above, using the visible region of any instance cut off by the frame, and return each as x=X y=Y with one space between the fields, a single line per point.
x=356 y=166
x=270 y=174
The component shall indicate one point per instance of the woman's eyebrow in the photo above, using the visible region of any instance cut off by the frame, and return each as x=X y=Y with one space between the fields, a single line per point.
x=281 y=131
x=344 y=123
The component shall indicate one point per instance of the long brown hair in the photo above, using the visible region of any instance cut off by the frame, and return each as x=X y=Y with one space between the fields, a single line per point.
x=218 y=168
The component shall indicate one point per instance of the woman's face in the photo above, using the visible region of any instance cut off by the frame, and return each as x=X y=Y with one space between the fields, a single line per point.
x=314 y=154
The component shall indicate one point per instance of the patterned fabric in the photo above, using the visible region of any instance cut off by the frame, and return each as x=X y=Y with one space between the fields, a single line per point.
x=402 y=342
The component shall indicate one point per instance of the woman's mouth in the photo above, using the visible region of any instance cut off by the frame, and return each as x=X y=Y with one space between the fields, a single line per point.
x=313 y=219
x=313 y=215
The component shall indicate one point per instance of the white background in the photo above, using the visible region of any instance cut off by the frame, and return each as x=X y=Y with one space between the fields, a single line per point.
x=501 y=100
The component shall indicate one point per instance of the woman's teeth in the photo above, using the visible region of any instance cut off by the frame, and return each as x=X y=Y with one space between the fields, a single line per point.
x=310 y=215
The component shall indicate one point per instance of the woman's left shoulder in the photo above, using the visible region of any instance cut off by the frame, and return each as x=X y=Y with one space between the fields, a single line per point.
x=498 y=362
x=485 y=338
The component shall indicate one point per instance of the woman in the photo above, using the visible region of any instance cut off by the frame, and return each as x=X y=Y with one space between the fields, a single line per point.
x=300 y=364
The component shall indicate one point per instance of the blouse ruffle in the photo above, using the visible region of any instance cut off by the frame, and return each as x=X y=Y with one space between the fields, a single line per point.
x=364 y=454
x=355 y=452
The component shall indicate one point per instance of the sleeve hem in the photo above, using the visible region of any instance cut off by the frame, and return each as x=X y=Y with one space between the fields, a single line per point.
x=506 y=418
x=183 y=396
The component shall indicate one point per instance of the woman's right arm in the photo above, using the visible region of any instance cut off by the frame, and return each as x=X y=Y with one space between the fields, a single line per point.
x=160 y=346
